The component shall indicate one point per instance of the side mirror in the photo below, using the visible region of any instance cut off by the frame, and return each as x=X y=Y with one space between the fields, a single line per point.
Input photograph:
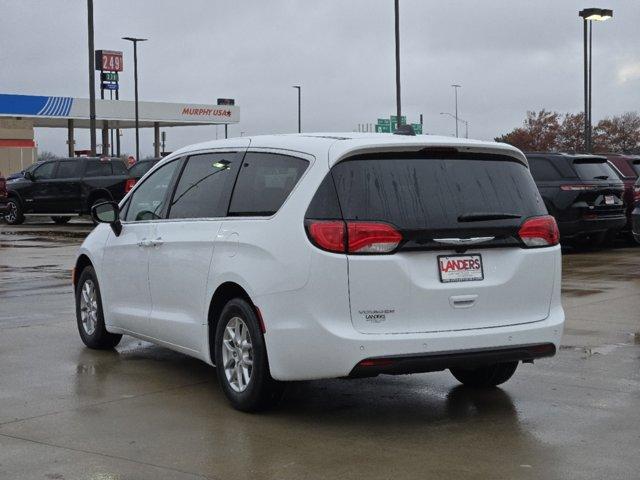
x=29 y=176
x=108 y=212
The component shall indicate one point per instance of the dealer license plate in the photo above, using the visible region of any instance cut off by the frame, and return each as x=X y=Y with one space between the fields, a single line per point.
x=460 y=268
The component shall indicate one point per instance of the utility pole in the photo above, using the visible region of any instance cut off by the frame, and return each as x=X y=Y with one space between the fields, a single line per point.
x=397 y=34
x=92 y=79
x=299 y=88
x=455 y=88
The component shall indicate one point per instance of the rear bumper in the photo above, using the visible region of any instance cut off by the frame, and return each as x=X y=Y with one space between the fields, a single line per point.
x=402 y=364
x=585 y=227
x=314 y=351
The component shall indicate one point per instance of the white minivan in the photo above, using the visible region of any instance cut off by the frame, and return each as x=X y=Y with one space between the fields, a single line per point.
x=294 y=257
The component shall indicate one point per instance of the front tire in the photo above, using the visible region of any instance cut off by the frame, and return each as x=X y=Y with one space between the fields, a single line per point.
x=241 y=359
x=485 y=376
x=15 y=216
x=89 y=314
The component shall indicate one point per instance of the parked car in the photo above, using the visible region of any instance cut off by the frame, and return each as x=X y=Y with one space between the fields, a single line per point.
x=65 y=187
x=635 y=214
x=628 y=168
x=3 y=195
x=583 y=193
x=137 y=171
x=299 y=257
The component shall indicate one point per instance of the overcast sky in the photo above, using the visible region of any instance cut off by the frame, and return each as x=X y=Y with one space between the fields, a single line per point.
x=510 y=56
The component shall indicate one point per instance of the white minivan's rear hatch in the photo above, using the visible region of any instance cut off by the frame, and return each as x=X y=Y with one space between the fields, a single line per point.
x=439 y=241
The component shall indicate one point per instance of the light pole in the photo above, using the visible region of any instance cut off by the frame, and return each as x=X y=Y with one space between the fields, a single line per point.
x=466 y=124
x=589 y=15
x=92 y=79
x=455 y=89
x=299 y=88
x=397 y=34
x=135 y=41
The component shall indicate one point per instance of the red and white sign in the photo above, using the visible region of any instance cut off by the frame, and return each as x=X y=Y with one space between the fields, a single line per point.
x=460 y=268
x=109 y=61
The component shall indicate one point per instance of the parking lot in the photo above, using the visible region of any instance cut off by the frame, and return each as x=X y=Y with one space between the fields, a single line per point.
x=145 y=412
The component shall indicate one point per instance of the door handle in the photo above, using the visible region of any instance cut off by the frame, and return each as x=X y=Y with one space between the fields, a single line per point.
x=157 y=242
x=463 y=301
x=145 y=243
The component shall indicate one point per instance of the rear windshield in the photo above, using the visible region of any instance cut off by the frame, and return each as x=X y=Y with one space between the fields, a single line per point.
x=595 y=171
x=417 y=194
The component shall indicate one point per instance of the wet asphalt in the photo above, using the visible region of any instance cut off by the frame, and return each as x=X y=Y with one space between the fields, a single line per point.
x=144 y=412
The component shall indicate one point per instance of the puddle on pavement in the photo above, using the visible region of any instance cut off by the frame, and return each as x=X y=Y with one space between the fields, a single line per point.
x=580 y=292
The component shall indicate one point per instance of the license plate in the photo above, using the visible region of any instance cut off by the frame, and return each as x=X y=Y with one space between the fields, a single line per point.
x=609 y=199
x=460 y=268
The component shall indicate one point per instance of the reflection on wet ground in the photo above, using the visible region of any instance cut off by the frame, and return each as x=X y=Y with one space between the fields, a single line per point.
x=145 y=412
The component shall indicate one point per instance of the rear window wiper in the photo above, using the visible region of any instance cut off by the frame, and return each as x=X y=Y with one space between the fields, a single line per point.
x=601 y=177
x=485 y=216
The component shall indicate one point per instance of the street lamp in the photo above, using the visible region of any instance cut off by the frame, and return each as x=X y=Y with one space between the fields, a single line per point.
x=589 y=15
x=455 y=89
x=135 y=41
x=299 y=88
x=466 y=124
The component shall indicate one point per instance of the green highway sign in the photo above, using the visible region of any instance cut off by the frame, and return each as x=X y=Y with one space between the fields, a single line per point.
x=390 y=125
x=381 y=128
x=417 y=128
x=384 y=121
x=394 y=118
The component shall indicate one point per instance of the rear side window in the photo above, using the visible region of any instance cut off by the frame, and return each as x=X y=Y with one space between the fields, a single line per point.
x=543 y=170
x=140 y=168
x=98 y=168
x=264 y=182
x=68 y=169
x=118 y=167
x=436 y=194
x=203 y=186
x=595 y=171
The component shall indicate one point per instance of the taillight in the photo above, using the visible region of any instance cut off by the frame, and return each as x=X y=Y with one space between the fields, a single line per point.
x=372 y=237
x=540 y=232
x=636 y=194
x=361 y=237
x=328 y=235
x=129 y=185
x=578 y=188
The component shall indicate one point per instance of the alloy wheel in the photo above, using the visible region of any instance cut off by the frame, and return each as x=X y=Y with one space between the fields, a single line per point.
x=89 y=307
x=237 y=354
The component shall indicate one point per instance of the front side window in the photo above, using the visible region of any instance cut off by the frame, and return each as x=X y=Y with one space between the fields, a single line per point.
x=98 y=168
x=45 y=171
x=202 y=189
x=68 y=169
x=148 y=200
x=264 y=183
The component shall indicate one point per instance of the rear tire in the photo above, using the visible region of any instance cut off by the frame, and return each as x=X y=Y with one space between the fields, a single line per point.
x=15 y=216
x=241 y=359
x=485 y=376
x=89 y=314
x=61 y=220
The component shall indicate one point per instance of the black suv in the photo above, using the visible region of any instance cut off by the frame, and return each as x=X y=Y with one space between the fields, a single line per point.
x=65 y=187
x=582 y=192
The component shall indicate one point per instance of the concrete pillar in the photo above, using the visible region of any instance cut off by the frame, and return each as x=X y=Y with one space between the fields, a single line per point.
x=70 y=140
x=156 y=140
x=105 y=138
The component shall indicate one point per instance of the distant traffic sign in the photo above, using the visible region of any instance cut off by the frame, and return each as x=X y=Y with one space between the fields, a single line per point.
x=390 y=125
x=382 y=128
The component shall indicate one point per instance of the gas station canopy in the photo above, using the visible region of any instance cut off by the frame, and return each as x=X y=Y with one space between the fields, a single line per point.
x=56 y=112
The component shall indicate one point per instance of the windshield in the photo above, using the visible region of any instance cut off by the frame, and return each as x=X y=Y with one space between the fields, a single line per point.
x=418 y=194
x=595 y=171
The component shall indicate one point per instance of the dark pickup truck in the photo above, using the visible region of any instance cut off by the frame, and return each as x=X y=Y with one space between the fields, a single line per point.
x=65 y=187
